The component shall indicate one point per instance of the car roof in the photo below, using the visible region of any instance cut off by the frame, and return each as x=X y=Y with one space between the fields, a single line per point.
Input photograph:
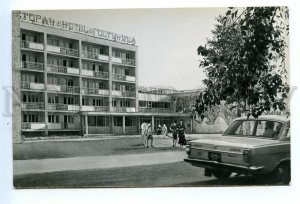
x=280 y=118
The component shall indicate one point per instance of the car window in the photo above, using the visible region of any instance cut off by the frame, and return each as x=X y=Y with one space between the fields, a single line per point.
x=255 y=128
x=241 y=128
x=286 y=133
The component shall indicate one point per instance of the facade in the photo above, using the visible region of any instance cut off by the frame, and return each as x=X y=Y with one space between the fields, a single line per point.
x=72 y=80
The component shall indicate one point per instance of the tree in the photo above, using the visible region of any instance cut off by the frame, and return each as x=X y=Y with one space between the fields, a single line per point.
x=245 y=60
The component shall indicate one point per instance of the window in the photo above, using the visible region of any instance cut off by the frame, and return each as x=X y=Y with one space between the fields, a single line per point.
x=31 y=118
x=118 y=121
x=52 y=99
x=69 y=100
x=130 y=121
x=127 y=72
x=53 y=118
x=114 y=103
x=101 y=85
x=23 y=57
x=52 y=80
x=92 y=120
x=98 y=102
x=85 y=101
x=258 y=128
x=68 y=119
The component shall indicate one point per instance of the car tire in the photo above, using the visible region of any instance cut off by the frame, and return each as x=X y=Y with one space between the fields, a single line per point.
x=281 y=175
x=219 y=174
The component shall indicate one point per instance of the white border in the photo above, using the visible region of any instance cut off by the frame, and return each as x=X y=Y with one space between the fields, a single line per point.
x=222 y=195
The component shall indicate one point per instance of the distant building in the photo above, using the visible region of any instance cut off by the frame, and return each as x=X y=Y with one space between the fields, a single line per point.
x=69 y=79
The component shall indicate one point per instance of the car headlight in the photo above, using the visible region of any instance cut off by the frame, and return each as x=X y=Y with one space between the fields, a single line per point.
x=188 y=149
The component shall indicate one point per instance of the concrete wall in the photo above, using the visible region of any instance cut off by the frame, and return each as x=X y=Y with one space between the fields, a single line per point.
x=16 y=76
x=217 y=127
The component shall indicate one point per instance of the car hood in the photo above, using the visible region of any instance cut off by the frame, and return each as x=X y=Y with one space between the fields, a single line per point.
x=233 y=141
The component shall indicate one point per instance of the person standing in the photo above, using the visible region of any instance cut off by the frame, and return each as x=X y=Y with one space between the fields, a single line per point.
x=164 y=130
x=149 y=135
x=181 y=133
x=174 y=130
x=143 y=133
x=159 y=129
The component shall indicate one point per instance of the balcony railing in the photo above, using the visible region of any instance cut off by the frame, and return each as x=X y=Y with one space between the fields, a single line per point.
x=62 y=69
x=155 y=110
x=33 y=106
x=119 y=60
x=91 y=73
x=93 y=55
x=32 y=45
x=58 y=106
x=32 y=65
x=70 y=126
x=121 y=77
x=64 y=89
x=95 y=91
x=123 y=109
x=95 y=108
x=130 y=94
x=33 y=125
x=63 y=50
x=32 y=85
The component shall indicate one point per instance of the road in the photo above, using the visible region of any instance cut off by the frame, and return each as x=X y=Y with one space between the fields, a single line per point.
x=109 y=163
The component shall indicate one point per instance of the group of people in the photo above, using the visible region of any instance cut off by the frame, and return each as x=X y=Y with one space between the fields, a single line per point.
x=178 y=133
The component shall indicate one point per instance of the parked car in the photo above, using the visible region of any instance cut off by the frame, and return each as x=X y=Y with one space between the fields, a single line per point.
x=248 y=146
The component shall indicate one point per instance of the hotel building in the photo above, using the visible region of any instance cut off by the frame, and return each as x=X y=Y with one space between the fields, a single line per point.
x=72 y=80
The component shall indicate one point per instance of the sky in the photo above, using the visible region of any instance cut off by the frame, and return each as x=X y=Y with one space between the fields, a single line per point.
x=167 y=39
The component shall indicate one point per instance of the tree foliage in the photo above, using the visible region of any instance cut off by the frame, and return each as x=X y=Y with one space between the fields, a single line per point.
x=245 y=60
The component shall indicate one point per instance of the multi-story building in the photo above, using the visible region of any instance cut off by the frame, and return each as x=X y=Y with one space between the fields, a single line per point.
x=69 y=79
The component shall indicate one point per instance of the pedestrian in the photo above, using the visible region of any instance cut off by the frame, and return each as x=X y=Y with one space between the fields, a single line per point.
x=165 y=130
x=181 y=133
x=159 y=129
x=149 y=135
x=143 y=133
x=174 y=131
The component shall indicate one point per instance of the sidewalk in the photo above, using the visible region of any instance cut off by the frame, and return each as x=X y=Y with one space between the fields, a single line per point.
x=22 y=167
x=105 y=137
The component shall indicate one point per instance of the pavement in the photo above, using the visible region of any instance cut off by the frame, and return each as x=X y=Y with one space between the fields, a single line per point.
x=33 y=166
x=135 y=156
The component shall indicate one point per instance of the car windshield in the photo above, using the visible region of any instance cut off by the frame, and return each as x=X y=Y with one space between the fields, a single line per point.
x=255 y=128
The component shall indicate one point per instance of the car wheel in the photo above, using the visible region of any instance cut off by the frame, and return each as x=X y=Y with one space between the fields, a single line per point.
x=219 y=174
x=281 y=175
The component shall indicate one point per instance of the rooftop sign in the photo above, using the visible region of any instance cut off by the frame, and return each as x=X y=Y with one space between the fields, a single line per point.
x=74 y=27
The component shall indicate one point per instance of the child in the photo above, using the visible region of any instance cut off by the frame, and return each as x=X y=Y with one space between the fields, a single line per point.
x=149 y=135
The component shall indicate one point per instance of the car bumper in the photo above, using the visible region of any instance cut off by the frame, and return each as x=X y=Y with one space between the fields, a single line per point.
x=224 y=166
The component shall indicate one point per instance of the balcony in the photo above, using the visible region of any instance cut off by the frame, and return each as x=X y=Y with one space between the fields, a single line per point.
x=62 y=107
x=63 y=89
x=120 y=77
x=94 y=91
x=63 y=50
x=32 y=65
x=32 y=85
x=91 y=73
x=62 y=69
x=33 y=126
x=70 y=126
x=33 y=106
x=129 y=94
x=94 y=56
x=95 y=108
x=118 y=60
x=32 y=45
x=123 y=109
x=155 y=110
